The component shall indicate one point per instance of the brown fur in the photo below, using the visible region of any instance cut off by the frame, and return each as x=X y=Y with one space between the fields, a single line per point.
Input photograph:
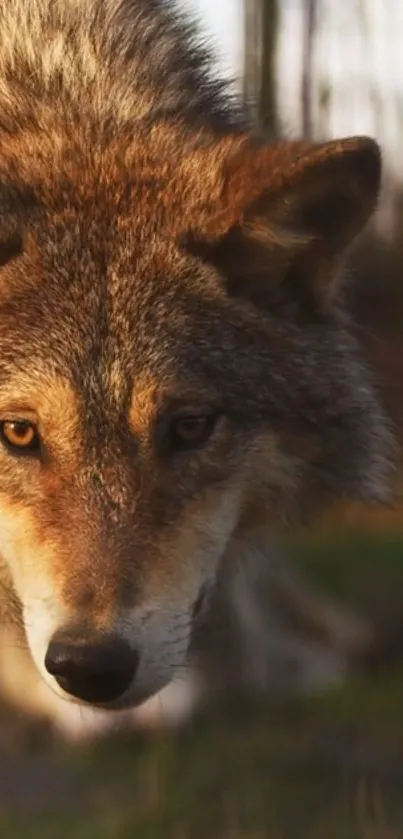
x=157 y=257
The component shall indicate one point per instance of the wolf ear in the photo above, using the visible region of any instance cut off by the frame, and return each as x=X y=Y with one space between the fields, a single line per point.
x=287 y=212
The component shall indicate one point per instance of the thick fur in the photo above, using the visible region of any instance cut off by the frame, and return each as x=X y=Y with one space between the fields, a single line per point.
x=157 y=257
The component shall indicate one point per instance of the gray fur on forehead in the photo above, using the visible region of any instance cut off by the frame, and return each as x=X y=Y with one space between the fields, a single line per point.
x=130 y=59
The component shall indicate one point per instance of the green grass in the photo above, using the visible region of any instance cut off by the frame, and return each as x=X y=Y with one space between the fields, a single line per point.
x=325 y=768
x=363 y=569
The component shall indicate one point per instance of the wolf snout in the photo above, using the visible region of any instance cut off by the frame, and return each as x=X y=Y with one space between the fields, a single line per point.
x=95 y=670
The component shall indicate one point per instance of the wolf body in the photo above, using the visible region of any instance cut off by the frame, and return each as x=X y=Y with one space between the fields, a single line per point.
x=177 y=371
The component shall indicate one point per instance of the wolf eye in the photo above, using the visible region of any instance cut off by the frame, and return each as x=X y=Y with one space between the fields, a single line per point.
x=192 y=430
x=20 y=434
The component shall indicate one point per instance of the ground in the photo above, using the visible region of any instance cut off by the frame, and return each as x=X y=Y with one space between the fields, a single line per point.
x=330 y=767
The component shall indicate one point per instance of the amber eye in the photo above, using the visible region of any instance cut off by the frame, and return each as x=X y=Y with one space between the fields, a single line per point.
x=20 y=434
x=192 y=430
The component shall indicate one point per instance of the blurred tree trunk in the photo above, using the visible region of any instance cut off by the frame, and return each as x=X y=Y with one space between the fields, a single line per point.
x=261 y=19
x=307 y=68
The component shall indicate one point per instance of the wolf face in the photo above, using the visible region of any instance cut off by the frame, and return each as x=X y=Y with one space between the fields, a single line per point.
x=175 y=371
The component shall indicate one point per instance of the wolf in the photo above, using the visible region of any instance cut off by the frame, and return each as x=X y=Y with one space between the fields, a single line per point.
x=178 y=374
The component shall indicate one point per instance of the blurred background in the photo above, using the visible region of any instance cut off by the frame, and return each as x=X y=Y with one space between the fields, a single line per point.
x=327 y=763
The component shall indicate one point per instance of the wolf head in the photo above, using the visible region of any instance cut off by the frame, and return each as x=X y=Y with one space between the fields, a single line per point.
x=175 y=370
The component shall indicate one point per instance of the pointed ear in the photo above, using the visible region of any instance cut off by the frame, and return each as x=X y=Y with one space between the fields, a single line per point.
x=287 y=212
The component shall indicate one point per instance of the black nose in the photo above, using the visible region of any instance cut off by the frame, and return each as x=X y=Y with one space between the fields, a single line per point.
x=95 y=671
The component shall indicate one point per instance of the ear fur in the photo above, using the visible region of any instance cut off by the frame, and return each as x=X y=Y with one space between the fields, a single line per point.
x=289 y=210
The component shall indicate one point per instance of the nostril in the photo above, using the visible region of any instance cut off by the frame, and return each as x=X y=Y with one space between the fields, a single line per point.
x=58 y=659
x=95 y=672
